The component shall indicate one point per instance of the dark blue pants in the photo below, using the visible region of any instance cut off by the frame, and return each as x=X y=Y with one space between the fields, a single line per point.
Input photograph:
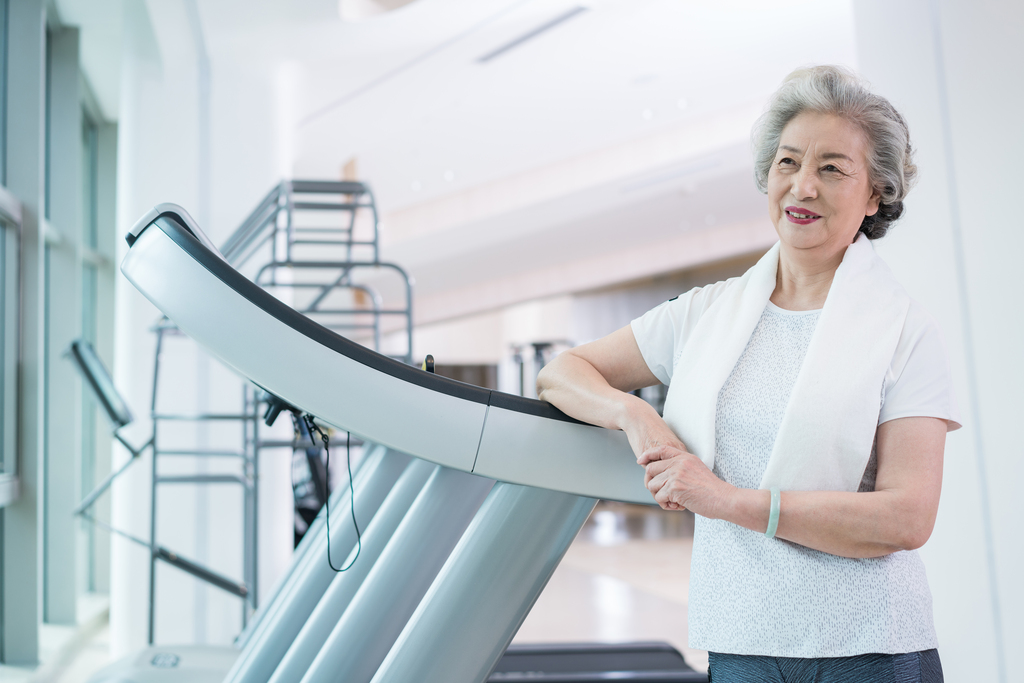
x=913 y=667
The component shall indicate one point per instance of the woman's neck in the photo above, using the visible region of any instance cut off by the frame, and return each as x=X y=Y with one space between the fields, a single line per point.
x=803 y=280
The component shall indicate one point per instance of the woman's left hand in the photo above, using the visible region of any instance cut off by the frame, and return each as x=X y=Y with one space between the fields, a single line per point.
x=680 y=480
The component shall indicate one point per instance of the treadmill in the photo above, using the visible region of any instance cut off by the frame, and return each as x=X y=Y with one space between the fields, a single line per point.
x=469 y=500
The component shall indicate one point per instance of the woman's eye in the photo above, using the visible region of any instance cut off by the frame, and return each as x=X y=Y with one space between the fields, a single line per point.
x=831 y=169
x=786 y=161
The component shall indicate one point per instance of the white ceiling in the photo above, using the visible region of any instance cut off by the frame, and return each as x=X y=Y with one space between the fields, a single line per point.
x=406 y=95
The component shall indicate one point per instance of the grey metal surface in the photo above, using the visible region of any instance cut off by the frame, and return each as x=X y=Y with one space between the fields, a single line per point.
x=574 y=458
x=344 y=586
x=279 y=627
x=487 y=587
x=375 y=406
x=315 y=530
x=499 y=443
x=397 y=582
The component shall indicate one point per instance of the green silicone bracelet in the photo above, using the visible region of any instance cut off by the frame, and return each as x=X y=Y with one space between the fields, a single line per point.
x=773 y=516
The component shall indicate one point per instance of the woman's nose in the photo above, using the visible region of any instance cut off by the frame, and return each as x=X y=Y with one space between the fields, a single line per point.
x=805 y=184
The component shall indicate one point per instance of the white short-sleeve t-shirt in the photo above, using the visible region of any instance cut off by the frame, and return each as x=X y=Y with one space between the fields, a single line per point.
x=917 y=384
x=753 y=595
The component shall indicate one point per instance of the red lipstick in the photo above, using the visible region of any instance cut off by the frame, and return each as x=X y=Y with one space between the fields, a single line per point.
x=801 y=216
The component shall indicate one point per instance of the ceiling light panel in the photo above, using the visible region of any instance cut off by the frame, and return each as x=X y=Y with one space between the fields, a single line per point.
x=532 y=33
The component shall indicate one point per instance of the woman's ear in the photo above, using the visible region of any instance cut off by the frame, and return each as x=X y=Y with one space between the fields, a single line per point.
x=873 y=201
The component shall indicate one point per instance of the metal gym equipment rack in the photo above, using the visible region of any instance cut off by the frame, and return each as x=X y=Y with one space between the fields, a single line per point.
x=308 y=243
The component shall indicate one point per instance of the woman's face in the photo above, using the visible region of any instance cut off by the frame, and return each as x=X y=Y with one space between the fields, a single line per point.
x=819 y=189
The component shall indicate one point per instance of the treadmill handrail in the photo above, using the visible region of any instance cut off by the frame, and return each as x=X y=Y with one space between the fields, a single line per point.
x=476 y=430
x=176 y=224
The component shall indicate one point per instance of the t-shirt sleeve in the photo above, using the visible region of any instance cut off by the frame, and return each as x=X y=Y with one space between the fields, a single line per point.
x=655 y=333
x=662 y=331
x=919 y=383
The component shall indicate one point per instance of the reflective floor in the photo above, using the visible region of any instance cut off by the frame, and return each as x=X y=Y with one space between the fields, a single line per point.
x=70 y=654
x=625 y=578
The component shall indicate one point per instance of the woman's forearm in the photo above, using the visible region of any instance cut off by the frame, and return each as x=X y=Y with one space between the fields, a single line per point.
x=898 y=515
x=869 y=524
x=579 y=390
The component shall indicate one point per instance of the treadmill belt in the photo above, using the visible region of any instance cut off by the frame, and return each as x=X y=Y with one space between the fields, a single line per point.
x=594 y=663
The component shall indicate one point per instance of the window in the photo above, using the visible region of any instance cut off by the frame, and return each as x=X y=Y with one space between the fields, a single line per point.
x=9 y=296
x=3 y=92
x=90 y=429
x=72 y=185
x=9 y=316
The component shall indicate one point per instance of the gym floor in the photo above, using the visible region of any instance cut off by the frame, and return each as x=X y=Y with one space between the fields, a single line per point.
x=625 y=578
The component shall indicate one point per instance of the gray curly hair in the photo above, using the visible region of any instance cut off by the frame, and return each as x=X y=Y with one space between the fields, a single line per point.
x=835 y=90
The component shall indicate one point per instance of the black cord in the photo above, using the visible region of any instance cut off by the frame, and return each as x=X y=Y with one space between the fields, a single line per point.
x=314 y=428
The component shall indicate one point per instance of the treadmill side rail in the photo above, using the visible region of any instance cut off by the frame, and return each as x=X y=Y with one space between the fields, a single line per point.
x=337 y=389
x=449 y=423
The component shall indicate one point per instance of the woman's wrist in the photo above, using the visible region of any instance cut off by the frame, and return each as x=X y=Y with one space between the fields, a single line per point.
x=634 y=412
x=727 y=500
x=748 y=508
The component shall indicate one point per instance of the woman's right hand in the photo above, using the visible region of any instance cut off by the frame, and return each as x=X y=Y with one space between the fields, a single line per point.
x=650 y=437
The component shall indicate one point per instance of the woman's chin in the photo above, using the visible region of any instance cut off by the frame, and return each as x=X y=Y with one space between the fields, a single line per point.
x=801 y=236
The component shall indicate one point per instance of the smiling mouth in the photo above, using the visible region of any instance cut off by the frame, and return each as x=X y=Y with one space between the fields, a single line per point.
x=802 y=216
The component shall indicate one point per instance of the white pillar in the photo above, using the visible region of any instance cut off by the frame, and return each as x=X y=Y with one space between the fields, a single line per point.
x=953 y=68
x=63 y=310
x=141 y=77
x=20 y=607
x=106 y=278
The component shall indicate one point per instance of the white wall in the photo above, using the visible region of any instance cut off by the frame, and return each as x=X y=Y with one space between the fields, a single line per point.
x=565 y=320
x=954 y=69
x=162 y=159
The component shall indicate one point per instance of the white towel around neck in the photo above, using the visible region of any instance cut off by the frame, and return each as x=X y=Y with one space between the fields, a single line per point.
x=828 y=430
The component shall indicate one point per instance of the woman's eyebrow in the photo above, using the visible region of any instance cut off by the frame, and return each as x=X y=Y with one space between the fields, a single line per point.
x=835 y=155
x=826 y=155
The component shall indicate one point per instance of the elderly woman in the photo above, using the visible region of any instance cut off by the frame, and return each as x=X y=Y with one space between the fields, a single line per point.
x=806 y=415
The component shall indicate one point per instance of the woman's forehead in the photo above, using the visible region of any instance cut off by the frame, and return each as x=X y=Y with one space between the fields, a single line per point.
x=824 y=136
